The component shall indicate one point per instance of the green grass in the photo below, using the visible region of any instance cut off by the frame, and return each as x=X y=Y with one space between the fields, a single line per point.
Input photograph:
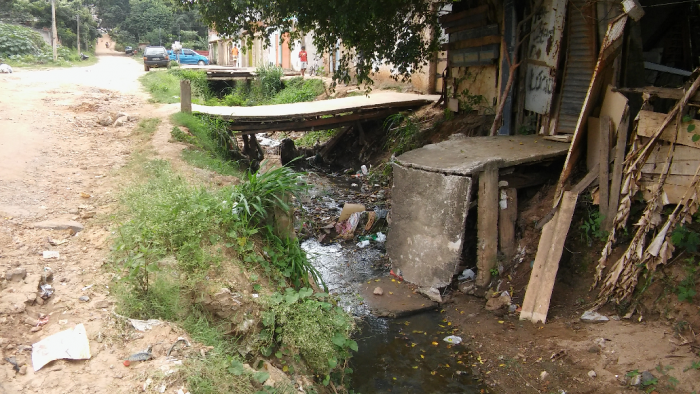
x=163 y=86
x=203 y=159
x=293 y=90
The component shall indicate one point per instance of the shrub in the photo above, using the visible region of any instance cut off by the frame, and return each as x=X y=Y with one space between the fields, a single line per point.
x=19 y=41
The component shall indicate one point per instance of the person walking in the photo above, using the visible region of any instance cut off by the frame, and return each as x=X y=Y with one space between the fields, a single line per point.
x=234 y=55
x=304 y=61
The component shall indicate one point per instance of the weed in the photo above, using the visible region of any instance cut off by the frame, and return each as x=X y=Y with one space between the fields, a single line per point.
x=494 y=272
x=164 y=86
x=448 y=114
x=402 y=133
x=179 y=135
x=591 y=228
x=381 y=173
x=691 y=128
x=307 y=324
x=312 y=138
x=212 y=136
x=688 y=241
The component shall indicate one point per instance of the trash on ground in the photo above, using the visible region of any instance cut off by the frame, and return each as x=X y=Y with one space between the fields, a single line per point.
x=144 y=325
x=56 y=242
x=453 y=339
x=87 y=287
x=51 y=254
x=84 y=298
x=71 y=344
x=364 y=170
x=381 y=238
x=13 y=361
x=348 y=210
x=347 y=228
x=140 y=356
x=467 y=274
x=363 y=244
x=396 y=274
x=46 y=291
x=593 y=317
x=180 y=339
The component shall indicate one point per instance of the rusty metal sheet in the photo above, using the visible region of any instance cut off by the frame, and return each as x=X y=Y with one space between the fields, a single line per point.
x=543 y=55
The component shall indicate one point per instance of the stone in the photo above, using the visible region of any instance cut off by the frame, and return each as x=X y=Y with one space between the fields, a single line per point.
x=432 y=293
x=102 y=304
x=16 y=274
x=592 y=374
x=500 y=302
x=221 y=302
x=51 y=254
x=378 y=291
x=84 y=298
x=120 y=121
x=544 y=375
x=635 y=380
x=35 y=329
x=593 y=317
x=467 y=288
x=288 y=151
x=23 y=370
x=28 y=320
x=105 y=119
x=647 y=378
x=59 y=224
x=277 y=377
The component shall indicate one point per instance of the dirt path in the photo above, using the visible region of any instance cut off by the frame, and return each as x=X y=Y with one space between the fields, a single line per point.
x=59 y=164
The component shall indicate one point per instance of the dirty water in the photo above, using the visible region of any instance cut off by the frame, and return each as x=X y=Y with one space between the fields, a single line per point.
x=406 y=355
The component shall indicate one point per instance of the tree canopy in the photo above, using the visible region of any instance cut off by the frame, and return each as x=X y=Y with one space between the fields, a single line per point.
x=371 y=31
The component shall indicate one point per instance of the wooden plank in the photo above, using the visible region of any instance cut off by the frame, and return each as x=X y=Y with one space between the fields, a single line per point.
x=604 y=155
x=614 y=104
x=650 y=122
x=680 y=153
x=185 y=96
x=508 y=215
x=609 y=49
x=616 y=179
x=672 y=194
x=487 y=224
x=666 y=93
x=539 y=289
x=559 y=138
x=459 y=15
x=593 y=136
x=685 y=167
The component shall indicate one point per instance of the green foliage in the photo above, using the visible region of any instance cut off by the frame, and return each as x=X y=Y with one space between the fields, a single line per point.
x=164 y=86
x=212 y=137
x=372 y=32
x=308 y=324
x=147 y=16
x=179 y=135
x=255 y=199
x=264 y=91
x=198 y=81
x=18 y=40
x=691 y=128
x=204 y=159
x=268 y=81
x=312 y=138
x=590 y=228
x=494 y=272
x=298 y=90
x=402 y=133
x=688 y=240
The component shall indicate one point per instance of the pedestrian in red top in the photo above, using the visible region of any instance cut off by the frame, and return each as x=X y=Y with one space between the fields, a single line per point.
x=303 y=58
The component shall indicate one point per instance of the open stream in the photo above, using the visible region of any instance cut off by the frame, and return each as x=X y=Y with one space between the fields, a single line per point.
x=403 y=355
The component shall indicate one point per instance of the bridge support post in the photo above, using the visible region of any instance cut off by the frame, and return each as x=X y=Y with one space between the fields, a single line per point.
x=185 y=96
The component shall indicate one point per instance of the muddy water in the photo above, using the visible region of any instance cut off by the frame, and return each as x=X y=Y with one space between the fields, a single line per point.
x=406 y=355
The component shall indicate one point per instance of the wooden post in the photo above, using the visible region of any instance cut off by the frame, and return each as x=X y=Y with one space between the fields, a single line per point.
x=617 y=170
x=185 y=96
x=54 y=34
x=508 y=214
x=604 y=157
x=487 y=224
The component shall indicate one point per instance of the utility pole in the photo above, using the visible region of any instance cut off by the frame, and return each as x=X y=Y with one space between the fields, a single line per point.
x=54 y=34
x=78 y=18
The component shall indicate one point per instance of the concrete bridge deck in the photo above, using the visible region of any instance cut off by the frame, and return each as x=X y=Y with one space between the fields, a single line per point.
x=315 y=115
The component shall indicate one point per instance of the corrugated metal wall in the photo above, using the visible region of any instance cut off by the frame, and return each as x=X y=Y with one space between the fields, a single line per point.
x=580 y=62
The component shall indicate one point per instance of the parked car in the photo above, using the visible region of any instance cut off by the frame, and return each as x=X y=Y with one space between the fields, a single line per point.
x=188 y=56
x=129 y=50
x=154 y=56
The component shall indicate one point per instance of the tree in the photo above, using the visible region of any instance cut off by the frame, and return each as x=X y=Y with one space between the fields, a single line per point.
x=148 y=16
x=371 y=31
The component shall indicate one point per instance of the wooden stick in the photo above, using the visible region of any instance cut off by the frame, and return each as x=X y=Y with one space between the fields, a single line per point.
x=604 y=152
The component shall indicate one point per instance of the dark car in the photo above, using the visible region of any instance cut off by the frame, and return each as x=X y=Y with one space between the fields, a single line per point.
x=154 y=56
x=129 y=50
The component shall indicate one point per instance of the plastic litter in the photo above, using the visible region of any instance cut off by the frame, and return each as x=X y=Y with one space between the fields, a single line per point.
x=453 y=339
x=46 y=291
x=467 y=274
x=72 y=344
x=364 y=170
x=144 y=325
x=180 y=339
x=51 y=254
x=347 y=228
x=381 y=238
x=140 y=356
x=363 y=244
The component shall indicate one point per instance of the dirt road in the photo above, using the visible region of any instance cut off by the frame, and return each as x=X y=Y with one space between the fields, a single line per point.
x=57 y=163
